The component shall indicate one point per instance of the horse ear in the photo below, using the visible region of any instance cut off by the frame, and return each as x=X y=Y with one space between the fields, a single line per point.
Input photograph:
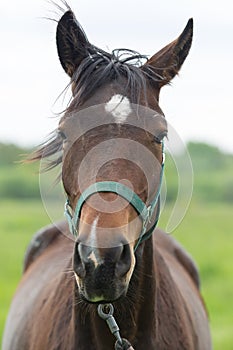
x=167 y=62
x=72 y=43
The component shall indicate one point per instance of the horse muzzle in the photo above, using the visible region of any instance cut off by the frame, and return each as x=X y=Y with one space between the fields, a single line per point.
x=103 y=274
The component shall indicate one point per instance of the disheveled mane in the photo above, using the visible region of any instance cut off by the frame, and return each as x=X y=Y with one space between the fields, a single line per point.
x=100 y=68
x=97 y=69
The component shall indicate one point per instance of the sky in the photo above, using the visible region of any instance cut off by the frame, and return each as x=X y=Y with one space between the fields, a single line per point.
x=198 y=104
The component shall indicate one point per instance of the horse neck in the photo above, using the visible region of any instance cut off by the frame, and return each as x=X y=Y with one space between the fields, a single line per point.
x=135 y=314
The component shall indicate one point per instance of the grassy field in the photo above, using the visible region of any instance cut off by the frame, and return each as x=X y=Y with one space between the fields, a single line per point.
x=206 y=232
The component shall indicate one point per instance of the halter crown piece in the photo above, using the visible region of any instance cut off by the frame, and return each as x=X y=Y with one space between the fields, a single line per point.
x=145 y=212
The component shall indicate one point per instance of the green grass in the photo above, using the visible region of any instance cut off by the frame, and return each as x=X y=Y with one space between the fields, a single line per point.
x=18 y=221
x=206 y=232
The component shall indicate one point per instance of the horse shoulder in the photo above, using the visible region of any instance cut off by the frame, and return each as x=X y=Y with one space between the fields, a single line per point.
x=171 y=246
x=41 y=241
x=179 y=291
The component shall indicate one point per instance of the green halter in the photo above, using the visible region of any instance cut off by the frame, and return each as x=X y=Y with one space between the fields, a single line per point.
x=145 y=212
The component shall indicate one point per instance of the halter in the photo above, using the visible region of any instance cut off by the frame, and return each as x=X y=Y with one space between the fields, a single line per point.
x=145 y=212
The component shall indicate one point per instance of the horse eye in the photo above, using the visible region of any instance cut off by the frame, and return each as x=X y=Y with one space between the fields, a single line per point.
x=159 y=138
x=62 y=135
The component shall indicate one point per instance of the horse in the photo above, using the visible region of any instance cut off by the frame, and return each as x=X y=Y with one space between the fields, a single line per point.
x=107 y=276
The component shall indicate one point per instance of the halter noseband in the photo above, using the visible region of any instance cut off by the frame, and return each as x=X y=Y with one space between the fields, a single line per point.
x=145 y=212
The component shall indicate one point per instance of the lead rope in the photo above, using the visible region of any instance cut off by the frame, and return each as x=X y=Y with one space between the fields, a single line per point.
x=105 y=311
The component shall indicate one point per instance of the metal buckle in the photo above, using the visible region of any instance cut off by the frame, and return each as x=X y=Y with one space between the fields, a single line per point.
x=69 y=217
x=148 y=217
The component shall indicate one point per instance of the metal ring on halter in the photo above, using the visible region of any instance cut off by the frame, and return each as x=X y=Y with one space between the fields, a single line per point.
x=105 y=311
x=110 y=320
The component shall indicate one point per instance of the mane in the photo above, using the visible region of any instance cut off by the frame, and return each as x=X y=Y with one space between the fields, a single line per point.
x=100 y=68
x=97 y=69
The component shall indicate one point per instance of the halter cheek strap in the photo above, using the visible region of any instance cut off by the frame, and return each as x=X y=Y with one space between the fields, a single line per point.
x=145 y=212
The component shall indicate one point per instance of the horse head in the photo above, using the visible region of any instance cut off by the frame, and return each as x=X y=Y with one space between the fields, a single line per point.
x=112 y=138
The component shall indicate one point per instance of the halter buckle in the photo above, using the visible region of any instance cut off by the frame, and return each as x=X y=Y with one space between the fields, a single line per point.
x=69 y=217
x=147 y=220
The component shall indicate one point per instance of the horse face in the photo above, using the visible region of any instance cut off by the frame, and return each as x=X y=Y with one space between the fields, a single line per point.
x=109 y=226
x=107 y=138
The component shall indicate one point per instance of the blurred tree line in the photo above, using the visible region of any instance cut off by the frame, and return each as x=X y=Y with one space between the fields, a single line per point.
x=17 y=179
x=212 y=169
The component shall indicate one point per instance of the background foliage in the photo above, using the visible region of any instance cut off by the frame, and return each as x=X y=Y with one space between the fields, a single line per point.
x=206 y=231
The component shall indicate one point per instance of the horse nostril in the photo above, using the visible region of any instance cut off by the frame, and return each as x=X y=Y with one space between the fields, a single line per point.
x=78 y=265
x=124 y=262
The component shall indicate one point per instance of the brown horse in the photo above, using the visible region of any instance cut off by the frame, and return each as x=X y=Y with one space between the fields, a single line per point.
x=111 y=137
